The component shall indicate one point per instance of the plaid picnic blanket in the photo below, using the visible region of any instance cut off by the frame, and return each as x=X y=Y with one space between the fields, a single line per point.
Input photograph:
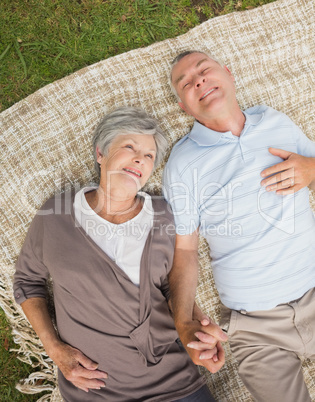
x=45 y=141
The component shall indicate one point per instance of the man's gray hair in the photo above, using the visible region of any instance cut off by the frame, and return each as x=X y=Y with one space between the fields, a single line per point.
x=178 y=59
x=127 y=120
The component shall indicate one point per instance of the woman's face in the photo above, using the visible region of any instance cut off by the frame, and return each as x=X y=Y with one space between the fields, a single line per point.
x=129 y=162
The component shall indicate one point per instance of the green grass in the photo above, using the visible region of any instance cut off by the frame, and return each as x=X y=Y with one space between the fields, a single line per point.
x=12 y=369
x=44 y=40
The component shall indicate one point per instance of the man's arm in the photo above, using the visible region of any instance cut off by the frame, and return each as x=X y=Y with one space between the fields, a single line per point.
x=291 y=175
x=208 y=351
x=183 y=282
x=74 y=365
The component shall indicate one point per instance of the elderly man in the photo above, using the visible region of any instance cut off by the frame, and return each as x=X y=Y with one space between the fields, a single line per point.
x=260 y=232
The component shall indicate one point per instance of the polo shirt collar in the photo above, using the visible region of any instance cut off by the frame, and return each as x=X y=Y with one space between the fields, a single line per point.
x=253 y=119
x=204 y=136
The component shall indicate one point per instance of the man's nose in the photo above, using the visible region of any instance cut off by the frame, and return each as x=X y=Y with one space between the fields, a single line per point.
x=199 y=80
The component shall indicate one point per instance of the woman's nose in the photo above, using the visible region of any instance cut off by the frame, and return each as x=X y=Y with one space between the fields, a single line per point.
x=138 y=158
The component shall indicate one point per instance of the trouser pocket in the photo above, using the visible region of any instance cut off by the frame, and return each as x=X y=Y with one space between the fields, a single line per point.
x=228 y=320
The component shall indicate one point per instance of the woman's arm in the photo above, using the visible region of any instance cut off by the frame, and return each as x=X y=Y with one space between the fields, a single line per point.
x=74 y=365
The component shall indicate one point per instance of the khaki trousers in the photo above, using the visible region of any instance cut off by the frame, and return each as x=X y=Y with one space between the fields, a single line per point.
x=268 y=346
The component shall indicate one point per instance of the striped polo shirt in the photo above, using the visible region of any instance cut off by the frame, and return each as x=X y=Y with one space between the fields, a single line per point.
x=262 y=245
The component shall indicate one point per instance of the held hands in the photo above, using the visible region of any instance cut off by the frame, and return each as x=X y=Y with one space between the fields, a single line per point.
x=291 y=175
x=202 y=340
x=77 y=368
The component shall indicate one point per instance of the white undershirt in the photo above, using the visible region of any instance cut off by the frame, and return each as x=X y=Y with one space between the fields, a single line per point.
x=123 y=242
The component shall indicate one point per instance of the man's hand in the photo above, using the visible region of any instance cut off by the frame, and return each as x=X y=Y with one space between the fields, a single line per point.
x=202 y=343
x=291 y=175
x=77 y=368
x=205 y=341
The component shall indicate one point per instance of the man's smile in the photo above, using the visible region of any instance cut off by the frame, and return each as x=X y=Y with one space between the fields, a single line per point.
x=209 y=91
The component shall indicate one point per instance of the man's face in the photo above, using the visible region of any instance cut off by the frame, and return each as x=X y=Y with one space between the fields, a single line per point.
x=204 y=87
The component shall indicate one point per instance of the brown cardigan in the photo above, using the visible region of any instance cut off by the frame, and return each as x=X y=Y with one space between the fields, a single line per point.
x=128 y=330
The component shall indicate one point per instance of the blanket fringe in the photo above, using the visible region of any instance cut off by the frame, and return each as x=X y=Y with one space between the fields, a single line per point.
x=29 y=348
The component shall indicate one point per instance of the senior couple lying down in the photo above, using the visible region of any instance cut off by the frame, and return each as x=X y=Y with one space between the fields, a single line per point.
x=124 y=264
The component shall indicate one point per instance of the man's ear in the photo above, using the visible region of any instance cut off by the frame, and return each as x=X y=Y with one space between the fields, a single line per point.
x=99 y=155
x=182 y=106
x=228 y=70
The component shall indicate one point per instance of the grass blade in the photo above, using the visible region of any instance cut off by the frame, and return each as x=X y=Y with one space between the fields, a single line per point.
x=150 y=32
x=175 y=13
x=18 y=51
x=5 y=51
x=57 y=57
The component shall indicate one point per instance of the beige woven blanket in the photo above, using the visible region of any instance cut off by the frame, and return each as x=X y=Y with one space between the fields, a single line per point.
x=45 y=139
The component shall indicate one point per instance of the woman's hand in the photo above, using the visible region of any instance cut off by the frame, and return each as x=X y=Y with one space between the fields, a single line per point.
x=77 y=368
x=74 y=365
x=203 y=343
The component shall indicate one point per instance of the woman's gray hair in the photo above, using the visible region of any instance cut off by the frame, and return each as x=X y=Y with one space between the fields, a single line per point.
x=127 y=120
x=178 y=59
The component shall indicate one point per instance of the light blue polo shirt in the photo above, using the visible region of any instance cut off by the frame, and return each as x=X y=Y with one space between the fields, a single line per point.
x=262 y=245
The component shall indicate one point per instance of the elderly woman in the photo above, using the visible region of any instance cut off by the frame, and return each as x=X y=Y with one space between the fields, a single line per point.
x=109 y=249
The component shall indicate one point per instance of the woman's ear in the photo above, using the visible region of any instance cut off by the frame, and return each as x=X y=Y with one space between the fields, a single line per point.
x=99 y=155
